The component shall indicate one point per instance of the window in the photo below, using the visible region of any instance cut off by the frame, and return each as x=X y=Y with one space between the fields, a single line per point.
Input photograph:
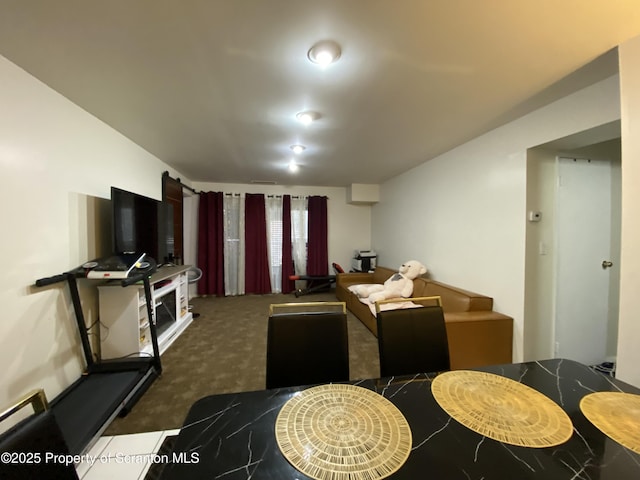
x=299 y=232
x=274 y=241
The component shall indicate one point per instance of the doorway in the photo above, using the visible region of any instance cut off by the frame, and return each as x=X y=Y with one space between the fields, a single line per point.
x=583 y=265
x=550 y=298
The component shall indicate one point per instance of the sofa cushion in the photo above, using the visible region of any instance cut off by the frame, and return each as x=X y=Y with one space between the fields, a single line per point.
x=382 y=274
x=456 y=299
x=354 y=288
x=388 y=306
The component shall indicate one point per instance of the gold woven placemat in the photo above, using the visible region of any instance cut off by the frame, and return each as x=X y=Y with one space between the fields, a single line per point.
x=343 y=432
x=616 y=414
x=502 y=409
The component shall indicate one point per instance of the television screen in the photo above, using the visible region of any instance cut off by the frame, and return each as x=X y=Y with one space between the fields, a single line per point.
x=142 y=225
x=166 y=250
x=124 y=221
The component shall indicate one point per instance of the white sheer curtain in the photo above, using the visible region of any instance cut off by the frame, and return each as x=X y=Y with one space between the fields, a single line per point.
x=190 y=204
x=233 y=245
x=273 y=207
x=299 y=234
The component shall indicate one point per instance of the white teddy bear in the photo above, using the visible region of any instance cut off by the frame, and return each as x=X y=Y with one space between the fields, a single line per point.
x=397 y=285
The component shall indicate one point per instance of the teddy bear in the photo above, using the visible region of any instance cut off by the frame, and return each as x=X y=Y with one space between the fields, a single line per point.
x=397 y=285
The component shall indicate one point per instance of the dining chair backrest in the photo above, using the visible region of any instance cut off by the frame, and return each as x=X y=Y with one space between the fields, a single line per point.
x=412 y=340
x=31 y=440
x=309 y=346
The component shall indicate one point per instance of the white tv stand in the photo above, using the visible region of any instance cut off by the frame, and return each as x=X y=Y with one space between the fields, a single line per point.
x=124 y=319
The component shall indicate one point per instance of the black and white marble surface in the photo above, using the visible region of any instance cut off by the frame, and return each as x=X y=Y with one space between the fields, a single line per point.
x=232 y=435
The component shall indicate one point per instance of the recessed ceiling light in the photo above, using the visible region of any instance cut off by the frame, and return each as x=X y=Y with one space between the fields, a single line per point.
x=297 y=149
x=293 y=166
x=325 y=52
x=307 y=117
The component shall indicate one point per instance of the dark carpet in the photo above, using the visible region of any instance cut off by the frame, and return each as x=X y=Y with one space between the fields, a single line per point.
x=224 y=351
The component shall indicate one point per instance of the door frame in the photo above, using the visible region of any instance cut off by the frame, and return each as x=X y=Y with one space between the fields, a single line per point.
x=611 y=323
x=539 y=301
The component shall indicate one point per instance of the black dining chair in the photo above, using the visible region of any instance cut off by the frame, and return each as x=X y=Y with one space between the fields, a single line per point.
x=307 y=344
x=33 y=442
x=412 y=340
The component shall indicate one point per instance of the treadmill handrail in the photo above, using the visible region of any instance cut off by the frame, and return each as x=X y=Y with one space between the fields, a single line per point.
x=43 y=282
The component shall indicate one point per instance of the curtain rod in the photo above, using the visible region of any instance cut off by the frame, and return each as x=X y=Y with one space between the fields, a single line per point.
x=292 y=196
x=298 y=196
x=271 y=196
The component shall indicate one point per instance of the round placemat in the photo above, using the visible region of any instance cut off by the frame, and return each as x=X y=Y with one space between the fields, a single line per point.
x=342 y=431
x=616 y=414
x=502 y=409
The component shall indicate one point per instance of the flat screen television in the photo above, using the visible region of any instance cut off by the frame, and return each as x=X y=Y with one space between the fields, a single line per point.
x=142 y=225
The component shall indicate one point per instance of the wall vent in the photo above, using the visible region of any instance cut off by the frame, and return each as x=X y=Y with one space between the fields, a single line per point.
x=263 y=182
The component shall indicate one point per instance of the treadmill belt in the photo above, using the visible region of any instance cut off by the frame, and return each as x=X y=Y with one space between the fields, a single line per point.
x=85 y=406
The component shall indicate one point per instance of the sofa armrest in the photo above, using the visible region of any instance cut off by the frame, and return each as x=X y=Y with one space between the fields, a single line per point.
x=479 y=338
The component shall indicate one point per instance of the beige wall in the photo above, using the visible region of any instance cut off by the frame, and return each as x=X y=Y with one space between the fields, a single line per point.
x=464 y=213
x=57 y=164
x=539 y=269
x=349 y=225
x=629 y=324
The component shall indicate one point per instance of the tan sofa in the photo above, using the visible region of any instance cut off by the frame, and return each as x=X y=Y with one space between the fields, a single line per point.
x=477 y=335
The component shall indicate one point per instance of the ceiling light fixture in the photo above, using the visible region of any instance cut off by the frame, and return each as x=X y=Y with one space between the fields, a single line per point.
x=307 y=117
x=293 y=166
x=298 y=149
x=325 y=52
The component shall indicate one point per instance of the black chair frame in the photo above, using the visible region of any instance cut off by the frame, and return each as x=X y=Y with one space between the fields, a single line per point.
x=33 y=441
x=307 y=347
x=412 y=340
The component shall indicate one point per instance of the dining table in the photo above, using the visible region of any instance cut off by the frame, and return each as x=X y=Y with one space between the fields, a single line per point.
x=242 y=435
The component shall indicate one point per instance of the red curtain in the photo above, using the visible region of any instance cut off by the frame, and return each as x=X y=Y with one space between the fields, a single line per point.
x=287 y=257
x=211 y=244
x=256 y=269
x=317 y=246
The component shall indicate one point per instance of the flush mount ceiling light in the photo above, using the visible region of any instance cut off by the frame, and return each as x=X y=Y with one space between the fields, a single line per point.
x=293 y=166
x=297 y=149
x=325 y=52
x=307 y=117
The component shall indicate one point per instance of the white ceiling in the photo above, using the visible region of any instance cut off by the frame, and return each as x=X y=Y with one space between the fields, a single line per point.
x=211 y=87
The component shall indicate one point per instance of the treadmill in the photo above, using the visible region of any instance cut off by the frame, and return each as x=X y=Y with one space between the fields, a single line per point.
x=107 y=388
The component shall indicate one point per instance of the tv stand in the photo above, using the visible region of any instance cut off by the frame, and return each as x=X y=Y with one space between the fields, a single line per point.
x=124 y=317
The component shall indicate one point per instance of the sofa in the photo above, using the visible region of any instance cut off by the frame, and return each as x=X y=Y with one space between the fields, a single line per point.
x=476 y=334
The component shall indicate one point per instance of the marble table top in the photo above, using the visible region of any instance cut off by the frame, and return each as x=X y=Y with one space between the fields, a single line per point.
x=232 y=436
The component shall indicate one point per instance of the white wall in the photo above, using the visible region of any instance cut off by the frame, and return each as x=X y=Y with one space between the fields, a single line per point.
x=540 y=269
x=57 y=164
x=464 y=213
x=349 y=226
x=629 y=325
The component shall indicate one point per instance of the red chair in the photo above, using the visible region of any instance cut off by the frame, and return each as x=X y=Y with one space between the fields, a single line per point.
x=317 y=283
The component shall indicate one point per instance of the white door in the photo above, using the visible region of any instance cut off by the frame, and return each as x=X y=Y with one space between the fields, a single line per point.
x=583 y=243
